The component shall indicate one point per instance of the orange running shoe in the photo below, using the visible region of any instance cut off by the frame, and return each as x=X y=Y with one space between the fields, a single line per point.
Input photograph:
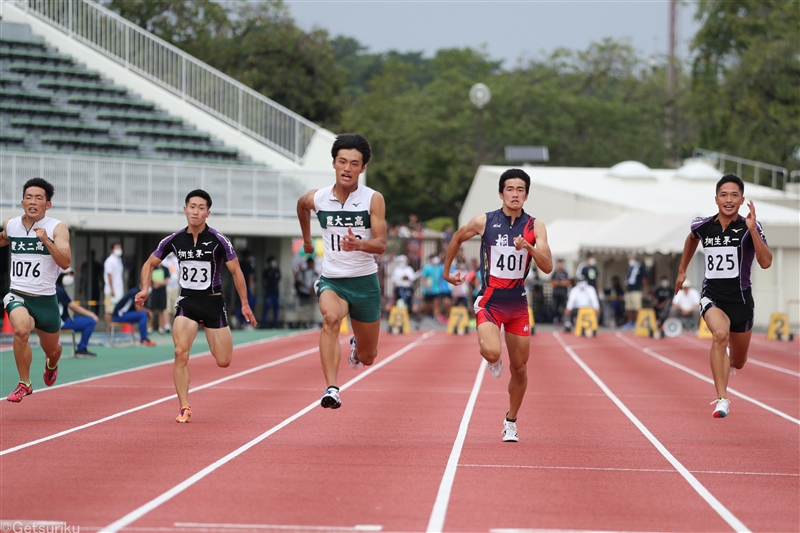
x=146 y=342
x=22 y=390
x=50 y=374
x=184 y=414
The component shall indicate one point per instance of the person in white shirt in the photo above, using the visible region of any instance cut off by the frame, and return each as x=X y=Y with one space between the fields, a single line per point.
x=114 y=289
x=403 y=277
x=581 y=296
x=686 y=304
x=173 y=288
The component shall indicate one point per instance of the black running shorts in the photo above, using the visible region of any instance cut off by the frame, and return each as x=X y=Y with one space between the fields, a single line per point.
x=208 y=310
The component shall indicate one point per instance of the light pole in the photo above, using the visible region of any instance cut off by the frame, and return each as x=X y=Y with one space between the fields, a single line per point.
x=480 y=95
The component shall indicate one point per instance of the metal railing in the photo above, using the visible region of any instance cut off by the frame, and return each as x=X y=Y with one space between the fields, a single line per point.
x=117 y=185
x=171 y=68
x=720 y=159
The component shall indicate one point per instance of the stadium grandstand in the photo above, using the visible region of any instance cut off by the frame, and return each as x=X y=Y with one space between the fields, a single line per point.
x=125 y=124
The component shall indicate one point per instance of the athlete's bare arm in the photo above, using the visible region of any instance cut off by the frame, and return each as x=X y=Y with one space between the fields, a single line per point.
x=59 y=246
x=241 y=288
x=541 y=252
x=763 y=253
x=4 y=240
x=475 y=226
x=689 y=248
x=377 y=221
x=304 y=207
x=145 y=278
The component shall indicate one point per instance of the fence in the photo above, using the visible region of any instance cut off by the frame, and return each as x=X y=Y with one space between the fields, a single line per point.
x=97 y=184
x=169 y=67
x=721 y=159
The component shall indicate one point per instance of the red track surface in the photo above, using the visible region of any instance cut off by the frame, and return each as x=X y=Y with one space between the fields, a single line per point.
x=581 y=463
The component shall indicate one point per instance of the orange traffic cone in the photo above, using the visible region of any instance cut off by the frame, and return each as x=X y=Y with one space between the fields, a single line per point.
x=7 y=329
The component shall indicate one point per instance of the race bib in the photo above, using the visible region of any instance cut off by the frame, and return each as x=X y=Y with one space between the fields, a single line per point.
x=27 y=271
x=195 y=275
x=508 y=262
x=722 y=262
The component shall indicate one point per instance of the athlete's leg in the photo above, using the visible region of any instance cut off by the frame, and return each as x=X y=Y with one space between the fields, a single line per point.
x=489 y=341
x=22 y=322
x=220 y=341
x=719 y=324
x=333 y=310
x=184 y=330
x=740 y=344
x=366 y=334
x=51 y=346
x=518 y=351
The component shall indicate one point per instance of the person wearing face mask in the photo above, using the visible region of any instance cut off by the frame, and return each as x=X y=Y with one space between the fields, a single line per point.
x=271 y=280
x=633 y=291
x=431 y=274
x=114 y=287
x=589 y=271
x=83 y=320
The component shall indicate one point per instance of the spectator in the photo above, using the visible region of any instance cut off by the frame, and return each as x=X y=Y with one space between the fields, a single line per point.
x=447 y=236
x=271 y=281
x=581 y=296
x=403 y=277
x=249 y=272
x=431 y=274
x=461 y=292
x=663 y=296
x=560 y=283
x=157 y=300
x=173 y=289
x=122 y=314
x=616 y=297
x=304 y=281
x=84 y=320
x=114 y=286
x=589 y=271
x=686 y=304
x=633 y=290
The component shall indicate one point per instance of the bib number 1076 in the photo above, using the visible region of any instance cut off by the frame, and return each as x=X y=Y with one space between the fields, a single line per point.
x=25 y=269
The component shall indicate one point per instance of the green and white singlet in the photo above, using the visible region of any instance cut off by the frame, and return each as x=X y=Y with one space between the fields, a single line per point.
x=33 y=269
x=336 y=219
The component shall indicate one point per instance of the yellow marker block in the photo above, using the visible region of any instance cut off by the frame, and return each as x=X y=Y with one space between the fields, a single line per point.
x=646 y=324
x=703 y=332
x=345 y=327
x=778 y=327
x=398 y=320
x=459 y=318
x=531 y=321
x=586 y=322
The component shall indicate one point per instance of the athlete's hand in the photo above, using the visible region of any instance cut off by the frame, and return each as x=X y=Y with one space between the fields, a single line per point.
x=41 y=233
x=309 y=248
x=140 y=297
x=679 y=282
x=456 y=279
x=520 y=242
x=750 y=220
x=349 y=241
x=248 y=315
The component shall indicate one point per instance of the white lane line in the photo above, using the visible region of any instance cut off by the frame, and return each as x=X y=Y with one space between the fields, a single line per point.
x=609 y=469
x=275 y=527
x=698 y=375
x=180 y=487
x=704 y=493
x=156 y=402
x=752 y=361
x=436 y=522
x=167 y=361
x=511 y=530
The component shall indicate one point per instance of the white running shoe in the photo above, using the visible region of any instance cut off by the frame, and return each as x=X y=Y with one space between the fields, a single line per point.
x=355 y=364
x=510 y=432
x=722 y=408
x=496 y=369
x=331 y=399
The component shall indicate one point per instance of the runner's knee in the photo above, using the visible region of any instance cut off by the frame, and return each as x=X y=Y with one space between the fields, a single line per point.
x=331 y=320
x=181 y=355
x=721 y=337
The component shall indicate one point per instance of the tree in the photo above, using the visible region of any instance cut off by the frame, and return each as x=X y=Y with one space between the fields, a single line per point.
x=745 y=79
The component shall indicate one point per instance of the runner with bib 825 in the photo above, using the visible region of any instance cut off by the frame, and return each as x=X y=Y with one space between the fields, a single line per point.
x=730 y=242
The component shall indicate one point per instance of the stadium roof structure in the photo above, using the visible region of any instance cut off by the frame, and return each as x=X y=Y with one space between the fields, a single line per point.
x=629 y=207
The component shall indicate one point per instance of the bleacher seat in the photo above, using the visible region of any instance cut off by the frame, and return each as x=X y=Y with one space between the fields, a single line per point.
x=74 y=86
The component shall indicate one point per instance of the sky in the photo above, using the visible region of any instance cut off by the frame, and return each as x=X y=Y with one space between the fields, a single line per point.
x=509 y=30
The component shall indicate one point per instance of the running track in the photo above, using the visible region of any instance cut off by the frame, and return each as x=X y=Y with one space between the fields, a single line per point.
x=616 y=434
